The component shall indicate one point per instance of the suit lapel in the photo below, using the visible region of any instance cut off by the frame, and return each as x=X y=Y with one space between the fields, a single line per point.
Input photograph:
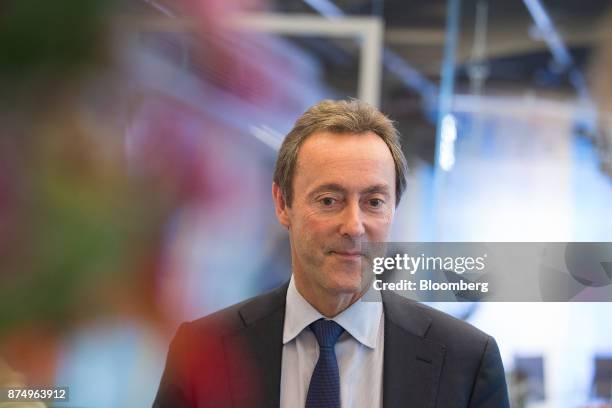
x=262 y=338
x=412 y=364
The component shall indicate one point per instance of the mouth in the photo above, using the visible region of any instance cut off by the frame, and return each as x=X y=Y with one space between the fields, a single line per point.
x=348 y=255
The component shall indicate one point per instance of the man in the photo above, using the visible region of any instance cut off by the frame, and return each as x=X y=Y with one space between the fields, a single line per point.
x=339 y=176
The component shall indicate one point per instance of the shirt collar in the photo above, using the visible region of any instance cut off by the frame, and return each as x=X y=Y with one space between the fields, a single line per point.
x=361 y=320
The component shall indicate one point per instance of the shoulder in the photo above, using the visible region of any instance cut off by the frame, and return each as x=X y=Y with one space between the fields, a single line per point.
x=436 y=326
x=230 y=320
x=445 y=326
x=204 y=353
x=471 y=358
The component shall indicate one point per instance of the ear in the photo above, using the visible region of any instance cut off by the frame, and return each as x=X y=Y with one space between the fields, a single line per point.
x=280 y=206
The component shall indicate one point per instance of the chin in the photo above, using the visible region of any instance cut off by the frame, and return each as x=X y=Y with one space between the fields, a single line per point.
x=346 y=281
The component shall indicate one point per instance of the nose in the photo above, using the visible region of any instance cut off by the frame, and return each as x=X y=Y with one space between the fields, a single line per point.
x=352 y=221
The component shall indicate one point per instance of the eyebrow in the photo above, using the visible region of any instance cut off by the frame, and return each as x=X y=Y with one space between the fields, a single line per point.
x=377 y=188
x=334 y=187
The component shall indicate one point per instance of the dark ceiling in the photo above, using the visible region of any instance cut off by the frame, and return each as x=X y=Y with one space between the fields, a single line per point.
x=516 y=58
x=415 y=30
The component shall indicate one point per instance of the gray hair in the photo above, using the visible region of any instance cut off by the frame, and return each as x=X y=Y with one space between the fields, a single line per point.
x=344 y=116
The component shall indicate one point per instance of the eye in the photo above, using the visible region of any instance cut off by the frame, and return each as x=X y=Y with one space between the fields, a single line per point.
x=327 y=201
x=376 y=202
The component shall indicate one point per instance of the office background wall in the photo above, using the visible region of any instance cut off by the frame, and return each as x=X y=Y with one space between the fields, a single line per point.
x=138 y=140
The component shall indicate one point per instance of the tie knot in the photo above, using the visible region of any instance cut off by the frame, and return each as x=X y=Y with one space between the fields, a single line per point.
x=327 y=332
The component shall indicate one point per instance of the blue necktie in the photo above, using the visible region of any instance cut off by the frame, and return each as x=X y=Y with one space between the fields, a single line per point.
x=324 y=390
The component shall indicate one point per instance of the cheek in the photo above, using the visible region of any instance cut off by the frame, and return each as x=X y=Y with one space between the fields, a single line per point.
x=313 y=224
x=313 y=234
x=379 y=228
x=304 y=229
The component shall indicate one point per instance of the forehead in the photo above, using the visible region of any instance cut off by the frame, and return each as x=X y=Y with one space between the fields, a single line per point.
x=347 y=158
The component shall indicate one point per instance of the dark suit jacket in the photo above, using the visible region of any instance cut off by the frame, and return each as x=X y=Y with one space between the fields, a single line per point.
x=232 y=358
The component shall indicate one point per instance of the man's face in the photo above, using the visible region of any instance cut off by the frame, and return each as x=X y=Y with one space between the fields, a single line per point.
x=343 y=197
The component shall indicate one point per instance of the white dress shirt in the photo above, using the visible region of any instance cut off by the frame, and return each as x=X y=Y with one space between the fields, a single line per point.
x=359 y=351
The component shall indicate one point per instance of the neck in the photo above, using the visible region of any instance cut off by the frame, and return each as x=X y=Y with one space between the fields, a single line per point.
x=327 y=303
